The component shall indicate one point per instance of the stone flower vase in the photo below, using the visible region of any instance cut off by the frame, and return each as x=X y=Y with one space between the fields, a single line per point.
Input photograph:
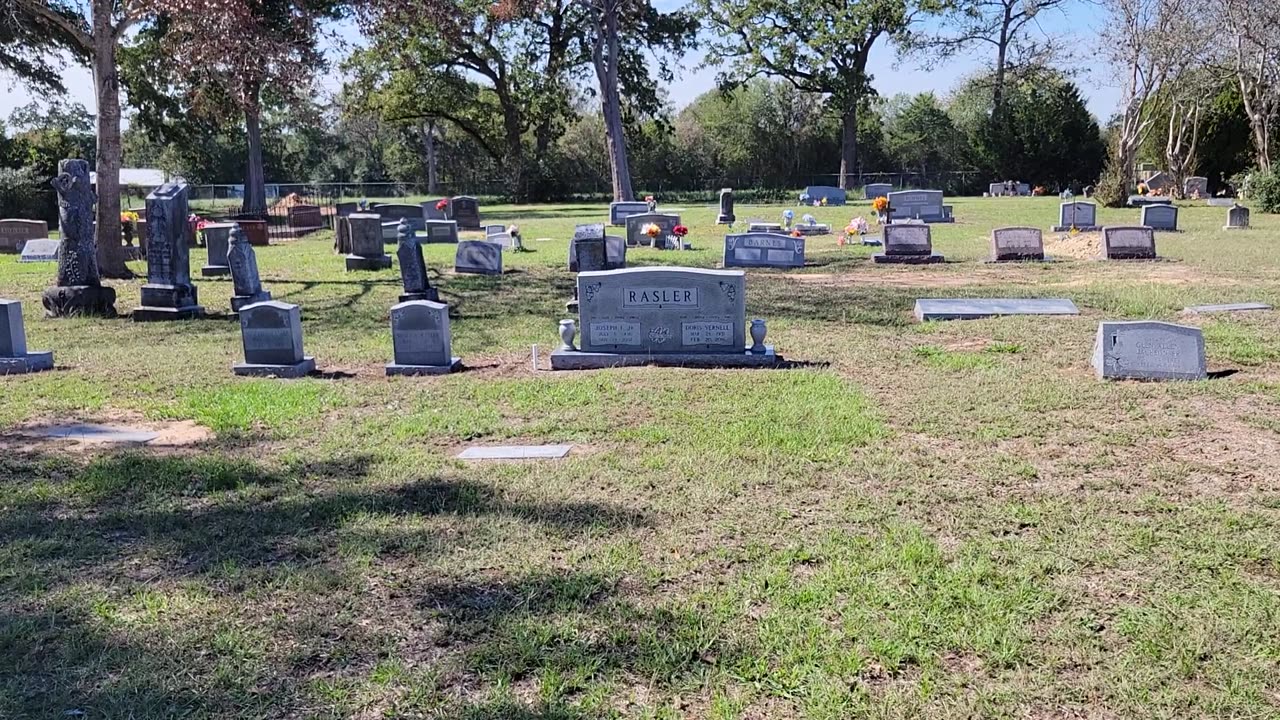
x=568 y=329
x=758 y=331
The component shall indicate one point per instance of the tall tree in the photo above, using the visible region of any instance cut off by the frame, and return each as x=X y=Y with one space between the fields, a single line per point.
x=1252 y=55
x=817 y=47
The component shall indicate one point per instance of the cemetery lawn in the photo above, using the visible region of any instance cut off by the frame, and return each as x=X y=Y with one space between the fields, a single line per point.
x=934 y=520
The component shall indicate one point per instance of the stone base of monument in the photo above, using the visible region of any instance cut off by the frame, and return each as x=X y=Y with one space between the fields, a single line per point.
x=410 y=370
x=579 y=360
x=1077 y=228
x=1024 y=257
x=1235 y=227
x=215 y=270
x=431 y=294
x=886 y=259
x=807 y=230
x=1126 y=255
x=306 y=367
x=239 y=301
x=76 y=300
x=167 y=302
x=359 y=262
x=28 y=363
x=725 y=219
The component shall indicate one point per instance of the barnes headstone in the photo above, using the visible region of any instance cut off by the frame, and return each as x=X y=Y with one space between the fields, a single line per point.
x=763 y=250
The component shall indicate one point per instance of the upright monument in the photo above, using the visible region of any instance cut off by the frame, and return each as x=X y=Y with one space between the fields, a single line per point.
x=79 y=290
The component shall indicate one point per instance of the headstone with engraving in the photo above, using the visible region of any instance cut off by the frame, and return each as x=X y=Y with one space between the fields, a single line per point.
x=995 y=189
x=1148 y=350
x=420 y=339
x=588 y=251
x=303 y=219
x=1128 y=243
x=478 y=257
x=393 y=213
x=636 y=225
x=1196 y=187
x=79 y=289
x=726 y=216
x=620 y=211
x=440 y=231
x=168 y=294
x=1160 y=217
x=874 y=190
x=413 y=268
x=1077 y=215
x=216 y=237
x=494 y=230
x=1159 y=182
x=665 y=316
x=615 y=251
x=1016 y=243
x=14 y=233
x=1237 y=218
x=245 y=282
x=40 y=250
x=366 y=243
x=923 y=205
x=832 y=195
x=272 y=336
x=15 y=358
x=910 y=244
x=761 y=226
x=466 y=212
x=342 y=234
x=763 y=250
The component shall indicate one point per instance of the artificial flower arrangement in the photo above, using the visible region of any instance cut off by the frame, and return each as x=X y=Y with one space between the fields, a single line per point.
x=651 y=201
x=197 y=221
x=680 y=231
x=857 y=227
x=652 y=230
x=129 y=216
x=442 y=205
x=796 y=234
x=1039 y=191
x=1142 y=188
x=880 y=204
x=788 y=215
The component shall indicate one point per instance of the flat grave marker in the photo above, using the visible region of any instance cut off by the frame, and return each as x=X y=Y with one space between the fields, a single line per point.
x=1148 y=350
x=977 y=308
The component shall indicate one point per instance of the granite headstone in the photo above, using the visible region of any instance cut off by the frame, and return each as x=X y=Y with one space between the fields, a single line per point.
x=832 y=195
x=366 y=243
x=246 y=284
x=1160 y=217
x=14 y=233
x=666 y=225
x=1148 y=350
x=420 y=339
x=478 y=257
x=1128 y=243
x=413 y=268
x=79 y=289
x=620 y=211
x=440 y=231
x=1237 y=218
x=923 y=205
x=876 y=190
x=15 y=358
x=466 y=212
x=1017 y=243
x=763 y=250
x=272 y=336
x=168 y=293
x=726 y=216
x=910 y=244
x=216 y=239
x=1077 y=215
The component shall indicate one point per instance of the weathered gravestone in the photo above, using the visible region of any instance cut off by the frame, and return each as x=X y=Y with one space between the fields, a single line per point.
x=216 y=239
x=15 y=233
x=303 y=219
x=763 y=250
x=246 y=284
x=478 y=257
x=909 y=244
x=272 y=335
x=1160 y=217
x=366 y=243
x=923 y=205
x=168 y=294
x=466 y=212
x=393 y=213
x=420 y=339
x=615 y=252
x=1196 y=187
x=413 y=268
x=342 y=234
x=1148 y=350
x=40 y=250
x=1016 y=243
x=666 y=227
x=1077 y=215
x=1237 y=218
x=79 y=289
x=440 y=231
x=15 y=359
x=588 y=251
x=811 y=226
x=832 y=195
x=726 y=216
x=1128 y=243
x=875 y=190
x=760 y=226
x=620 y=211
x=1159 y=182
x=490 y=230
x=666 y=316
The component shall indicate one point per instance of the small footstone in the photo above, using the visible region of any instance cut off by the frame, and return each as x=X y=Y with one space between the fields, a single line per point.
x=1230 y=307
x=972 y=309
x=89 y=432
x=515 y=452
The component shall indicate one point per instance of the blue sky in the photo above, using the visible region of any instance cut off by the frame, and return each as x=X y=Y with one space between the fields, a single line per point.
x=1078 y=28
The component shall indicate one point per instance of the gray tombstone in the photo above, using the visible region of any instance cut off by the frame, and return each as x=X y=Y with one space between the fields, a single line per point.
x=431 y=212
x=875 y=190
x=587 y=249
x=995 y=189
x=245 y=282
x=726 y=216
x=763 y=250
x=1237 y=218
x=393 y=213
x=1148 y=350
x=832 y=195
x=615 y=250
x=420 y=339
x=441 y=231
x=16 y=232
x=79 y=289
x=413 y=268
x=1078 y=215
x=910 y=244
x=1196 y=187
x=272 y=335
x=1160 y=217
x=620 y=211
x=15 y=358
x=342 y=234
x=495 y=230
x=761 y=226
x=1128 y=243
x=478 y=257
x=217 y=237
x=1159 y=181
x=1017 y=243
x=40 y=250
x=923 y=205
x=344 y=209
x=168 y=294
x=366 y=243
x=466 y=212
x=666 y=225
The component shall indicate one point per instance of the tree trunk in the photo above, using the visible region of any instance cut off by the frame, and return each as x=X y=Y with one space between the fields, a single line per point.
x=429 y=148
x=611 y=104
x=106 y=82
x=848 y=147
x=255 y=181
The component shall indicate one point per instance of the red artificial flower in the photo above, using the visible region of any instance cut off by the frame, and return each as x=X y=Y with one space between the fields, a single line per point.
x=679 y=231
x=648 y=198
x=442 y=204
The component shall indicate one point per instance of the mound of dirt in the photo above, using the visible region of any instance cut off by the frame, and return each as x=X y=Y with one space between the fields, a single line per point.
x=1078 y=245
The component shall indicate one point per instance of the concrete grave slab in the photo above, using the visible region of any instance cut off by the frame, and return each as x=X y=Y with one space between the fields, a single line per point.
x=1229 y=307
x=975 y=308
x=516 y=452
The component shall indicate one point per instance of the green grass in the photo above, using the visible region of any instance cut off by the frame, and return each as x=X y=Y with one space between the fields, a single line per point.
x=937 y=520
